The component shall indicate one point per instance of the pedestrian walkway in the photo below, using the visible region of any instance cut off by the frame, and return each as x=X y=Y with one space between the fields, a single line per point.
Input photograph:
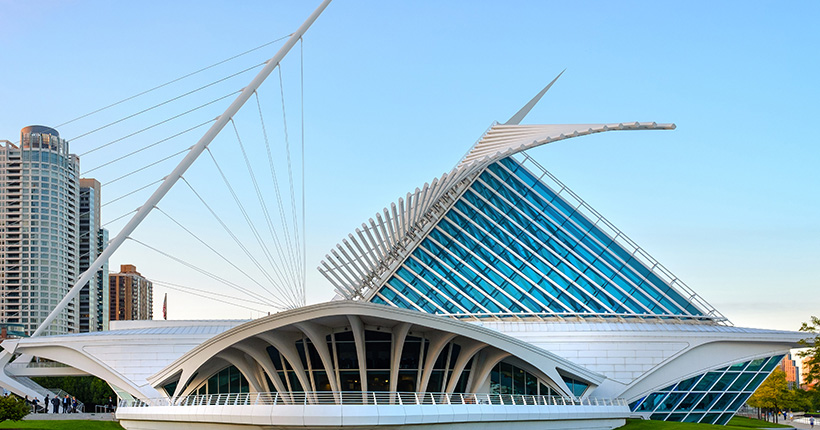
x=93 y=417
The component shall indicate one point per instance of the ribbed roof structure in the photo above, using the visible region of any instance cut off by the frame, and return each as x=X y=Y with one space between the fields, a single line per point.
x=490 y=238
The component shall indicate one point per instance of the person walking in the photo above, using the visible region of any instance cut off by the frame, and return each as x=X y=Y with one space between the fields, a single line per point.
x=45 y=404
x=109 y=407
x=811 y=422
x=55 y=403
x=73 y=405
x=65 y=404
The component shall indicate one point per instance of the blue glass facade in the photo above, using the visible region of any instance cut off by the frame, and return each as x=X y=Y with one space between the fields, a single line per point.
x=512 y=245
x=712 y=397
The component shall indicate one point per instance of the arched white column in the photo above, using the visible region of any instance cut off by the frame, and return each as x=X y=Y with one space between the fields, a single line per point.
x=438 y=341
x=317 y=336
x=237 y=359
x=468 y=350
x=489 y=360
x=286 y=344
x=257 y=349
x=357 y=328
x=202 y=374
x=399 y=336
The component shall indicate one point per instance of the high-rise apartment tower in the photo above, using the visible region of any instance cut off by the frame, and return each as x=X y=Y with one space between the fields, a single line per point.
x=93 y=304
x=39 y=232
x=131 y=296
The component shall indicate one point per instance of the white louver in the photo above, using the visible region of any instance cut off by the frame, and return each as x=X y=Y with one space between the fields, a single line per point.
x=361 y=263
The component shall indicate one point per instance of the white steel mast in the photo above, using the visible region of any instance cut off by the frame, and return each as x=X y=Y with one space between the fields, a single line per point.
x=183 y=165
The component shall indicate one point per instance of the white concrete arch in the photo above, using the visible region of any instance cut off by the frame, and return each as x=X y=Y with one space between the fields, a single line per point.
x=244 y=346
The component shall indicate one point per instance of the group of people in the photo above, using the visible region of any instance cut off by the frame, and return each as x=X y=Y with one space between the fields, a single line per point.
x=64 y=405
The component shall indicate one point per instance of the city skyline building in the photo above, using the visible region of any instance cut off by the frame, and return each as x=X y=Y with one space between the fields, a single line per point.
x=39 y=229
x=93 y=298
x=131 y=295
x=792 y=371
x=806 y=368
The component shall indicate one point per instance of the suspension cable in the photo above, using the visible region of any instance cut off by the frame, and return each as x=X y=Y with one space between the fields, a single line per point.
x=272 y=302
x=255 y=232
x=146 y=166
x=274 y=177
x=259 y=196
x=158 y=124
x=145 y=148
x=302 y=104
x=132 y=192
x=290 y=168
x=195 y=293
x=165 y=102
x=232 y=235
x=157 y=281
x=209 y=247
x=172 y=81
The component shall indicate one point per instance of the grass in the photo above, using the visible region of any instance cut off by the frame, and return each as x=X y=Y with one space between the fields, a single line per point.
x=736 y=423
x=753 y=423
x=61 y=425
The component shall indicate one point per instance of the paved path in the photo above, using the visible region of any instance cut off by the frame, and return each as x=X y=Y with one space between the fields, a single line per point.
x=93 y=417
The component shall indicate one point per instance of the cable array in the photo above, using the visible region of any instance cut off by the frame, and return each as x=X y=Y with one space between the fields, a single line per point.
x=219 y=236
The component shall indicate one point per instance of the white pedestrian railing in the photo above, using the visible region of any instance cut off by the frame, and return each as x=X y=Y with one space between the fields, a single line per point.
x=372 y=398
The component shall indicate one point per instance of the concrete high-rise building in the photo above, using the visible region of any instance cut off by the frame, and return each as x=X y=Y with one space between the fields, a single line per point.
x=93 y=315
x=131 y=295
x=806 y=369
x=789 y=367
x=39 y=232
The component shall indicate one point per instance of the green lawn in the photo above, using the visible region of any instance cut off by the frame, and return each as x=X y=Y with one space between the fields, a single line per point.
x=61 y=425
x=753 y=423
x=736 y=423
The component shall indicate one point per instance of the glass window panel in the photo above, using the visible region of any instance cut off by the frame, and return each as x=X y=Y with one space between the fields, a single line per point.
x=724 y=419
x=741 y=382
x=773 y=362
x=675 y=417
x=724 y=401
x=670 y=402
x=435 y=383
x=693 y=418
x=756 y=365
x=687 y=384
x=378 y=380
x=724 y=381
x=519 y=381
x=349 y=380
x=659 y=417
x=689 y=402
x=233 y=378
x=346 y=356
x=737 y=367
x=321 y=380
x=756 y=381
x=739 y=401
x=224 y=382
x=707 y=381
x=407 y=381
x=706 y=401
x=651 y=402
x=709 y=418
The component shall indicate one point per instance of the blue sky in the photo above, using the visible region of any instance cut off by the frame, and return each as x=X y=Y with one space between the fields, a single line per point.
x=396 y=92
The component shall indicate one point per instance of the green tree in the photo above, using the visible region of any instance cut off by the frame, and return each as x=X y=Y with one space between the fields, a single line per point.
x=88 y=389
x=773 y=393
x=813 y=351
x=13 y=408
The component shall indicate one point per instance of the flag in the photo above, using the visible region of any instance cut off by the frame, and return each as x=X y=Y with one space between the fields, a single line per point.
x=165 y=307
